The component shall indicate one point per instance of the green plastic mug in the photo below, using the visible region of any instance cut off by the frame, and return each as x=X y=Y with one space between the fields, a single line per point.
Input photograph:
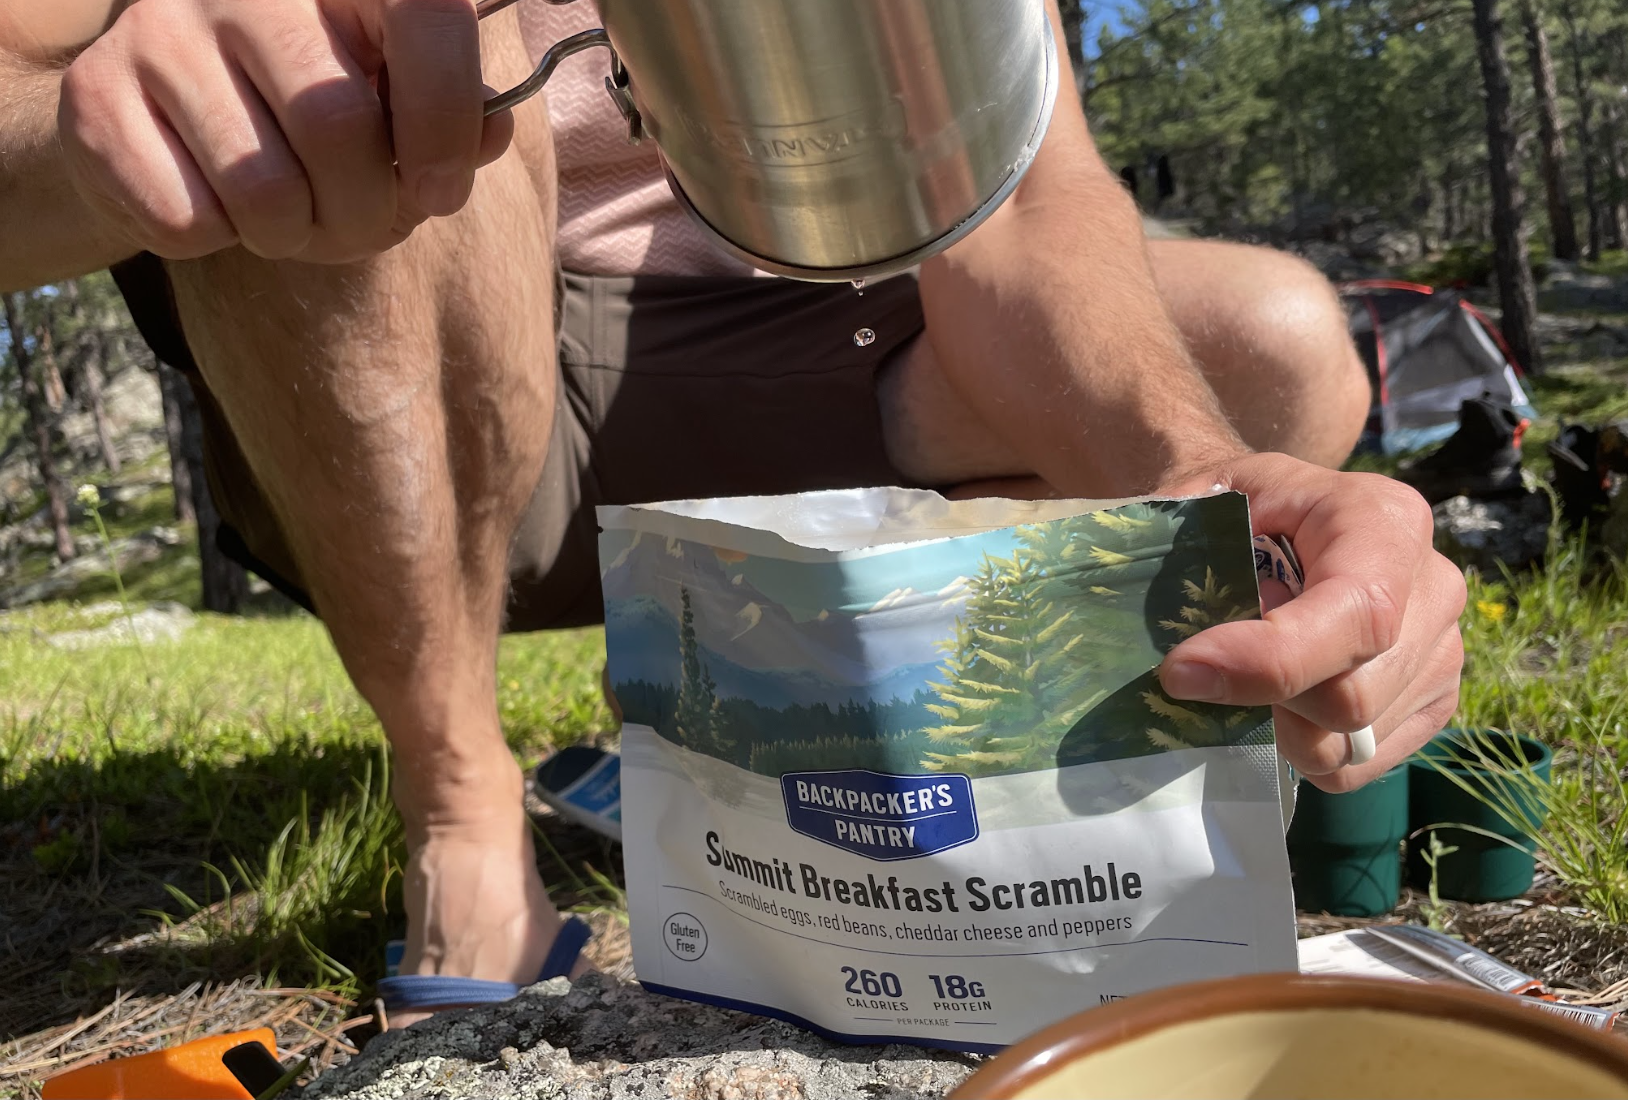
x=1483 y=868
x=1345 y=850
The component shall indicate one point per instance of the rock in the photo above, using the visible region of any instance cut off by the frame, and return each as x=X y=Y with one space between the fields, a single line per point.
x=37 y=525
x=130 y=491
x=1334 y=261
x=1483 y=533
x=160 y=622
x=1309 y=221
x=1381 y=244
x=135 y=414
x=31 y=537
x=135 y=419
x=1603 y=341
x=1570 y=289
x=1580 y=338
x=138 y=549
x=604 y=1039
x=1167 y=229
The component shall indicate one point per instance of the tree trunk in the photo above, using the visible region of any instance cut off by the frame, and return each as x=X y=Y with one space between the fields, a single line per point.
x=50 y=377
x=86 y=361
x=1616 y=203
x=92 y=376
x=1449 y=204
x=1585 y=131
x=1617 y=77
x=1073 y=16
x=170 y=387
x=1562 y=227
x=1516 y=292
x=39 y=425
x=225 y=584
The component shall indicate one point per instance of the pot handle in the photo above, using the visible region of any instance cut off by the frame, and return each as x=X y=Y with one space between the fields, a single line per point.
x=616 y=84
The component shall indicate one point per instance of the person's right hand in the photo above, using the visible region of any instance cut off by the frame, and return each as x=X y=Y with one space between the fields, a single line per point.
x=191 y=126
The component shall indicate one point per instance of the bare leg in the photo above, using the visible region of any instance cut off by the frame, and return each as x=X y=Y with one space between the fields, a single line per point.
x=1266 y=328
x=1272 y=338
x=396 y=414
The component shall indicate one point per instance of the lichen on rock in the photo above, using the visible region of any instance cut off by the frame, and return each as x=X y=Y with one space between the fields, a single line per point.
x=602 y=1039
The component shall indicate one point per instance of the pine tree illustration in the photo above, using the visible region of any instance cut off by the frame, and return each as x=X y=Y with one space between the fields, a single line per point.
x=1207 y=605
x=1199 y=725
x=696 y=713
x=721 y=735
x=1017 y=673
x=1021 y=671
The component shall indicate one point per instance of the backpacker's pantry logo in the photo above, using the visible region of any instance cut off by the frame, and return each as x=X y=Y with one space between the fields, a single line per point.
x=881 y=816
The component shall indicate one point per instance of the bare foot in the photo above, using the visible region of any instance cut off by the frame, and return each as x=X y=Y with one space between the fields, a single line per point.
x=476 y=907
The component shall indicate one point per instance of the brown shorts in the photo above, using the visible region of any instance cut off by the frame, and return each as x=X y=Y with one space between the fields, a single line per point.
x=669 y=388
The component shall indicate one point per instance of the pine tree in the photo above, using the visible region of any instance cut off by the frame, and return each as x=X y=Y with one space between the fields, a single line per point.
x=696 y=716
x=1517 y=293
x=1177 y=724
x=1612 y=127
x=721 y=735
x=1551 y=135
x=1583 y=94
x=224 y=584
x=29 y=357
x=173 y=389
x=1014 y=678
x=1019 y=671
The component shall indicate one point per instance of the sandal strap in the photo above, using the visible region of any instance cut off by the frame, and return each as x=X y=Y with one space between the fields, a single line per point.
x=427 y=990
x=408 y=991
x=569 y=941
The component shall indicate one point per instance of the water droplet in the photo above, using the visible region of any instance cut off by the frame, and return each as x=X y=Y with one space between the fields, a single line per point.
x=865 y=337
x=859 y=285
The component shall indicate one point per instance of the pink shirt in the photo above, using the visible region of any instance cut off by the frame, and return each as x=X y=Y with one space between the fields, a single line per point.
x=617 y=216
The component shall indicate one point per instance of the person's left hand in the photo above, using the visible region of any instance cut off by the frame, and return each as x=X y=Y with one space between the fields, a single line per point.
x=1373 y=640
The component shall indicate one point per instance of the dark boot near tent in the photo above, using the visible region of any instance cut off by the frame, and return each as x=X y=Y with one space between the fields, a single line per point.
x=1482 y=459
x=1581 y=480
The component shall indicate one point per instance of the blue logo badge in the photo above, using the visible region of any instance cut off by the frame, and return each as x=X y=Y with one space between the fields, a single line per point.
x=881 y=816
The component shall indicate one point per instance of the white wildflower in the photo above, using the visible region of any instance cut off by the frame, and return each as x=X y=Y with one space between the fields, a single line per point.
x=89 y=496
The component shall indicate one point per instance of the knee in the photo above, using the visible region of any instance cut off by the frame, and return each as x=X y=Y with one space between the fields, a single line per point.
x=1300 y=333
x=1306 y=328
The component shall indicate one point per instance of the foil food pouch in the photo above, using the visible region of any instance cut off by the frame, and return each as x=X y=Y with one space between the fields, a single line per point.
x=898 y=768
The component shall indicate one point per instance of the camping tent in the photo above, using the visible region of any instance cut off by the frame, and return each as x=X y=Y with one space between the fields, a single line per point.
x=1427 y=351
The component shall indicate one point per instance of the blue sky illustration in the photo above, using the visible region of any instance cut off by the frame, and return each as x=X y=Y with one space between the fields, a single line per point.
x=855 y=586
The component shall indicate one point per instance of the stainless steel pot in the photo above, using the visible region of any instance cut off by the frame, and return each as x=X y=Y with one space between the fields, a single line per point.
x=828 y=140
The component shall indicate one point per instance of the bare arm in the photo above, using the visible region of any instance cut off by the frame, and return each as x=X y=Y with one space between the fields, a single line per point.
x=1047 y=318
x=46 y=231
x=1052 y=304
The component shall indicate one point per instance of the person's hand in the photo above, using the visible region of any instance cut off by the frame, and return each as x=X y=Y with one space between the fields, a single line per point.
x=191 y=126
x=1373 y=640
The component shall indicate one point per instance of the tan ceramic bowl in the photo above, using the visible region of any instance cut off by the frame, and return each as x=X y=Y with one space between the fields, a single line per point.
x=1287 y=1035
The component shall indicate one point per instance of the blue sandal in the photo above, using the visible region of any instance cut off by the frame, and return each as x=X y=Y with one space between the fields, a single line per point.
x=584 y=785
x=401 y=992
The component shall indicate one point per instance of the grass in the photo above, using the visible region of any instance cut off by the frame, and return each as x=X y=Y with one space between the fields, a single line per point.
x=1613 y=262
x=1546 y=654
x=226 y=791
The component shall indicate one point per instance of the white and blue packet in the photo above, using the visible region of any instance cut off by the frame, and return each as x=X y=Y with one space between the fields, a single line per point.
x=899 y=769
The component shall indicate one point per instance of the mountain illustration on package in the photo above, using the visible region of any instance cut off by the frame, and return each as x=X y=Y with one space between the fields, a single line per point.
x=899 y=768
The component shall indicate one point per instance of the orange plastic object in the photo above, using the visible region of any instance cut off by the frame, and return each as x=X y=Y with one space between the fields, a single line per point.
x=191 y=1071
